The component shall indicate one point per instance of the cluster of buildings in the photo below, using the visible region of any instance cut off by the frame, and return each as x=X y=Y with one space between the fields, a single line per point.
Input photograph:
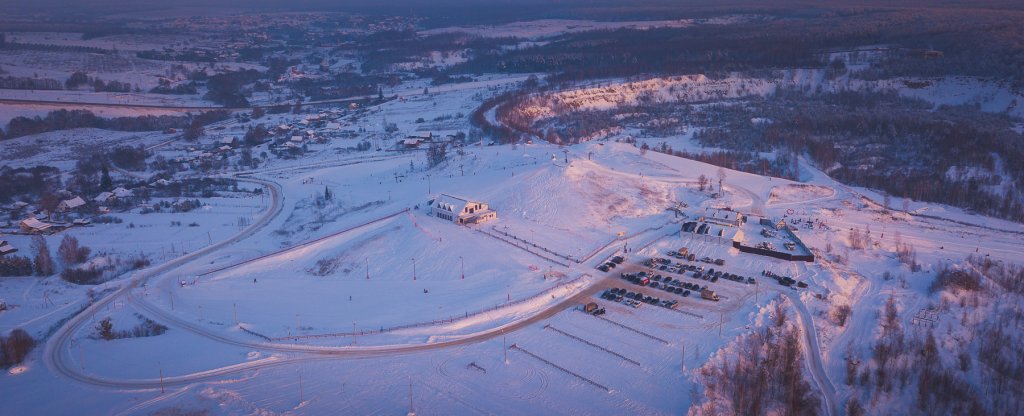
x=767 y=237
x=73 y=208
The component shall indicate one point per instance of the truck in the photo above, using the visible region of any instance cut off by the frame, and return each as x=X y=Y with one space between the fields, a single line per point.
x=593 y=309
x=709 y=295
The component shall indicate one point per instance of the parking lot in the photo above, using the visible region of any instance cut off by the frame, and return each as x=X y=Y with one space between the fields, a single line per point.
x=681 y=280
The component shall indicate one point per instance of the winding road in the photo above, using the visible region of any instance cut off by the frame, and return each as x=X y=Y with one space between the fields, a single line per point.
x=58 y=359
x=54 y=353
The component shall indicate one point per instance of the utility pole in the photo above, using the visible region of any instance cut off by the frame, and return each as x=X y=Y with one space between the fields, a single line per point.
x=504 y=347
x=410 y=396
x=428 y=184
x=353 y=333
x=682 y=361
x=171 y=295
x=161 y=377
x=414 y=269
x=368 y=265
x=234 y=311
x=463 y=261
x=721 y=321
x=300 y=387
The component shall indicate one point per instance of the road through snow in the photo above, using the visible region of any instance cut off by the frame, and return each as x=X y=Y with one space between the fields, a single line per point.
x=56 y=348
x=53 y=354
x=813 y=353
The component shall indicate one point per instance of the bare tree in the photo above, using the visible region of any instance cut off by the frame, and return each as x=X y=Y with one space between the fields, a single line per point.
x=70 y=252
x=702 y=181
x=854 y=408
x=721 y=178
x=840 y=313
x=43 y=260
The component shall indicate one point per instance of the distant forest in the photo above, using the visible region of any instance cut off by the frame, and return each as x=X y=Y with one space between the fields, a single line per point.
x=935 y=42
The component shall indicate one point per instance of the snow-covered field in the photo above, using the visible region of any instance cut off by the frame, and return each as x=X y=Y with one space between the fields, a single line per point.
x=295 y=303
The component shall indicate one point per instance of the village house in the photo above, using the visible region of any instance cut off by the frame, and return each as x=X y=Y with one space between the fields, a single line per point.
x=122 y=193
x=70 y=204
x=230 y=141
x=461 y=210
x=6 y=248
x=104 y=197
x=34 y=226
x=414 y=141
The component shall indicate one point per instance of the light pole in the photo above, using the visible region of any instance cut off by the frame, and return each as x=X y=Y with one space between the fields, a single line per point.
x=367 y=268
x=428 y=184
x=413 y=268
x=463 y=262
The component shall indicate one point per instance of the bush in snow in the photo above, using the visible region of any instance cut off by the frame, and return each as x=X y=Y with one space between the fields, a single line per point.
x=14 y=347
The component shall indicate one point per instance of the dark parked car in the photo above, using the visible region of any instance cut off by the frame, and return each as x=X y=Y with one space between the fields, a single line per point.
x=679 y=290
x=686 y=293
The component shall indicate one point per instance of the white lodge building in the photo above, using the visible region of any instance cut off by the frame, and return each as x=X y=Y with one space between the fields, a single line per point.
x=460 y=210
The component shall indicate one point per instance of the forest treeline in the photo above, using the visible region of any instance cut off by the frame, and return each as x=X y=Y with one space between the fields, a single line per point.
x=72 y=119
x=923 y=42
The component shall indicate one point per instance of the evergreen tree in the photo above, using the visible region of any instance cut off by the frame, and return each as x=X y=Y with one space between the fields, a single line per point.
x=106 y=329
x=106 y=183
